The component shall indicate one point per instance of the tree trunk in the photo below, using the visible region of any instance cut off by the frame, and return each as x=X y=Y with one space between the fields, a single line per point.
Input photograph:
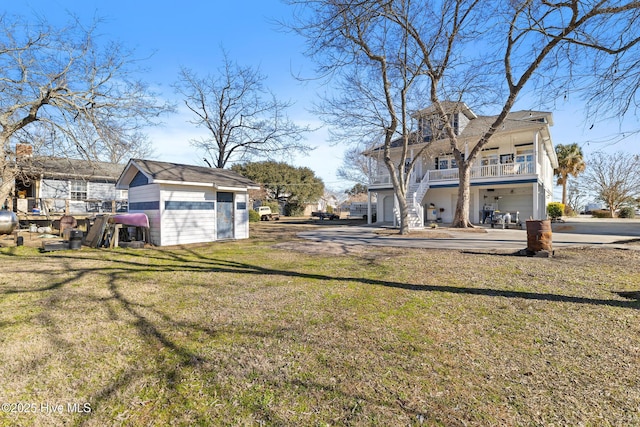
x=404 y=214
x=564 y=190
x=5 y=189
x=7 y=173
x=461 y=217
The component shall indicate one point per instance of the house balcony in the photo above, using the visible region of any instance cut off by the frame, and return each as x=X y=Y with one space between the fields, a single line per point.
x=479 y=174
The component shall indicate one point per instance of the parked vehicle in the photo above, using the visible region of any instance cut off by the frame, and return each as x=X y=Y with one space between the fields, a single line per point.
x=323 y=215
x=266 y=214
x=359 y=210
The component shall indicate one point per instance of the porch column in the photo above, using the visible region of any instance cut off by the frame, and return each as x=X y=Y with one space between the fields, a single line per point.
x=395 y=209
x=474 y=206
x=536 y=155
x=412 y=175
x=369 y=207
x=536 y=198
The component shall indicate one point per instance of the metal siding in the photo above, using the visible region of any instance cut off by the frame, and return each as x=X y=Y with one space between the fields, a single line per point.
x=187 y=226
x=147 y=198
x=54 y=189
x=101 y=191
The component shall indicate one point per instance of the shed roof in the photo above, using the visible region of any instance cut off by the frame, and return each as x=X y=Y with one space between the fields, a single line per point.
x=174 y=173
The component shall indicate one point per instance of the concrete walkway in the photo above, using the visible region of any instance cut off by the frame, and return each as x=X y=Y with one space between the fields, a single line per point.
x=574 y=232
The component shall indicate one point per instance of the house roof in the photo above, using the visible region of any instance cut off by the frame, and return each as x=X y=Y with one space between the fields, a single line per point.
x=65 y=168
x=448 y=107
x=174 y=173
x=517 y=120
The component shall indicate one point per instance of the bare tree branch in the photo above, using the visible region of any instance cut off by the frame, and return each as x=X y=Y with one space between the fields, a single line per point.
x=62 y=83
x=243 y=119
x=390 y=52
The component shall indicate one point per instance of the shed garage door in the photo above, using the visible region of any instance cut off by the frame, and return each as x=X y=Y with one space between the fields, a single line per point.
x=224 y=215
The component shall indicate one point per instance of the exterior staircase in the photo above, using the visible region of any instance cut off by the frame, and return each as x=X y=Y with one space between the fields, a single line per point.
x=415 y=211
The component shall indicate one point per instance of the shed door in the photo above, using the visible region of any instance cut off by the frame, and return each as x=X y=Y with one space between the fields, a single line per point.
x=224 y=215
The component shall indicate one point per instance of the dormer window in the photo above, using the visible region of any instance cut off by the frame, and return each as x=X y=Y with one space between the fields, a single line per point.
x=432 y=126
x=455 y=123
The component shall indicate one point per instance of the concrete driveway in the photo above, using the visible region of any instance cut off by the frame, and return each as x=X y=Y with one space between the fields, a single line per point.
x=574 y=232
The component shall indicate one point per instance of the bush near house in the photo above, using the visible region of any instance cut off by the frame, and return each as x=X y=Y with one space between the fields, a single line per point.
x=568 y=211
x=627 y=212
x=254 y=216
x=601 y=213
x=293 y=209
x=555 y=210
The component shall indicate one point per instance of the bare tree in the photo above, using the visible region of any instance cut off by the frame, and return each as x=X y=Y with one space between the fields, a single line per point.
x=614 y=179
x=63 y=86
x=461 y=49
x=576 y=196
x=242 y=118
x=355 y=166
x=377 y=73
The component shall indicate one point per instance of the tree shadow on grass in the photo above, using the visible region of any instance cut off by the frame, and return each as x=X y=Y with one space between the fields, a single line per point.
x=118 y=269
x=228 y=266
x=189 y=260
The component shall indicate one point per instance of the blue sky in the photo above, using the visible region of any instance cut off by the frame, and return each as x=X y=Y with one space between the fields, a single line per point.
x=190 y=33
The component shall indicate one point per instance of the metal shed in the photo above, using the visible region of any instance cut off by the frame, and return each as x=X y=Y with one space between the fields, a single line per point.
x=188 y=204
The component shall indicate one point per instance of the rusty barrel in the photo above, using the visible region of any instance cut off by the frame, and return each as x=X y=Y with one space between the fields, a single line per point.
x=539 y=236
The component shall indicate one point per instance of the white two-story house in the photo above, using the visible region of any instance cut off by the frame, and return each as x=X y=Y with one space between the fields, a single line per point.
x=513 y=173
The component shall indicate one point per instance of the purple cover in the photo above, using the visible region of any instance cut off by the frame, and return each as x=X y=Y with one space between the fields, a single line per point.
x=132 y=219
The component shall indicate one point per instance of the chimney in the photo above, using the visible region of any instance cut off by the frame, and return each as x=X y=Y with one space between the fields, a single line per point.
x=24 y=150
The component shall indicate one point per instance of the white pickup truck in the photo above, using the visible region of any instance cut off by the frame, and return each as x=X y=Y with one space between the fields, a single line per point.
x=266 y=214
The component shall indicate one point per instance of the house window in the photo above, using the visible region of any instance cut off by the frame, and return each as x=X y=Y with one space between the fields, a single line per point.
x=524 y=155
x=506 y=158
x=455 y=123
x=448 y=162
x=425 y=127
x=78 y=190
x=491 y=159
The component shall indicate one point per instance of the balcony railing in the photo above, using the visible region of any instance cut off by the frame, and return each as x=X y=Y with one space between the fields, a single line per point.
x=487 y=171
x=479 y=172
x=48 y=206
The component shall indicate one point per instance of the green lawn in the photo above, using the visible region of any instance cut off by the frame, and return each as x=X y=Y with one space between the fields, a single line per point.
x=245 y=333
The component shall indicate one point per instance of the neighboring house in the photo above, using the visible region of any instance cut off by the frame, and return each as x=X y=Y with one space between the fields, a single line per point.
x=514 y=172
x=60 y=185
x=188 y=204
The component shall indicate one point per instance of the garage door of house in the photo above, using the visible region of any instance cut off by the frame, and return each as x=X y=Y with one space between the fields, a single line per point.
x=224 y=215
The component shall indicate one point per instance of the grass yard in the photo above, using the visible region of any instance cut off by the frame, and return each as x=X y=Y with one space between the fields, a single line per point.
x=278 y=331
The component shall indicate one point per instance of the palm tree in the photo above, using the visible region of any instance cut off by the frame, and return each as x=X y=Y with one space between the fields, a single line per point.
x=570 y=162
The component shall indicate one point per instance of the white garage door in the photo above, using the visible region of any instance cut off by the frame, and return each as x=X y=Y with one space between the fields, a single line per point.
x=522 y=203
